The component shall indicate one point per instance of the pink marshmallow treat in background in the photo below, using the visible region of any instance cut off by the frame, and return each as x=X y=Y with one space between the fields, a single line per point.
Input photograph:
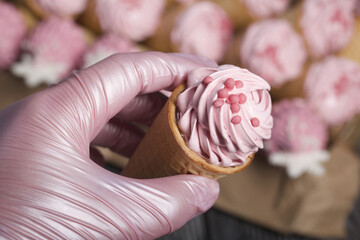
x=224 y=114
x=332 y=87
x=297 y=128
x=327 y=25
x=266 y=8
x=63 y=8
x=12 y=31
x=273 y=50
x=105 y=46
x=133 y=19
x=203 y=29
x=51 y=51
x=299 y=138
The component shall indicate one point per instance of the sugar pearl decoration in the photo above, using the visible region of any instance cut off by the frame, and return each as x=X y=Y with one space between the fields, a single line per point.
x=242 y=98
x=236 y=119
x=223 y=93
x=218 y=103
x=255 y=122
x=235 y=108
x=207 y=80
x=229 y=83
x=233 y=98
x=239 y=84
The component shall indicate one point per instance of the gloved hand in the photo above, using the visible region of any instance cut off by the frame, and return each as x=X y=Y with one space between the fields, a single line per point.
x=49 y=186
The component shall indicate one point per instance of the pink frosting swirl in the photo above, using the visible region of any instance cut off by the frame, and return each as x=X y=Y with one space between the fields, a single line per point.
x=51 y=51
x=224 y=114
x=13 y=30
x=105 y=46
x=297 y=128
x=332 y=87
x=132 y=19
x=266 y=8
x=273 y=50
x=327 y=25
x=210 y=35
x=62 y=8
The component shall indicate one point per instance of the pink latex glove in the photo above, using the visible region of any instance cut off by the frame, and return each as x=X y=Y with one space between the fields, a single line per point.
x=49 y=186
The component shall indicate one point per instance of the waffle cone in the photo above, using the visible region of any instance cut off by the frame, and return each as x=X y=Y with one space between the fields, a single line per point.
x=293 y=16
x=89 y=18
x=35 y=8
x=352 y=49
x=293 y=88
x=163 y=151
x=232 y=54
x=237 y=11
x=161 y=39
x=28 y=17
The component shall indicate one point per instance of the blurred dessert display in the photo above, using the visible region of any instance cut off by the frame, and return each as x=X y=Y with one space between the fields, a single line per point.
x=308 y=51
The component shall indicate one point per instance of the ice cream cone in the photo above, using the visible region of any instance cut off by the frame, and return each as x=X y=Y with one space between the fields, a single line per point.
x=161 y=40
x=209 y=37
x=15 y=22
x=352 y=49
x=35 y=8
x=45 y=8
x=50 y=51
x=325 y=27
x=29 y=18
x=233 y=50
x=271 y=49
x=237 y=11
x=164 y=152
x=291 y=89
x=89 y=18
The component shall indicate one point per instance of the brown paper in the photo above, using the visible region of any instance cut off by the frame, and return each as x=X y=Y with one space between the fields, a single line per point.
x=310 y=205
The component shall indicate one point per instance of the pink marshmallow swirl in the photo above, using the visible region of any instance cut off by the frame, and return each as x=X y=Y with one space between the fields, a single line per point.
x=133 y=19
x=266 y=8
x=273 y=50
x=224 y=114
x=296 y=128
x=203 y=29
x=62 y=8
x=327 y=25
x=12 y=31
x=106 y=46
x=51 y=51
x=332 y=87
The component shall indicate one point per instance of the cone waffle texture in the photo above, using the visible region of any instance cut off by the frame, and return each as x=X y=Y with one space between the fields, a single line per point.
x=352 y=49
x=161 y=40
x=89 y=17
x=237 y=11
x=163 y=151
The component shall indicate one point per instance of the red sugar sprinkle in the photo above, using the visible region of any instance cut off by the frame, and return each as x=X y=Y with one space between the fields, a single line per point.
x=242 y=98
x=207 y=80
x=235 y=108
x=239 y=84
x=236 y=119
x=229 y=83
x=218 y=103
x=223 y=93
x=233 y=98
x=255 y=122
